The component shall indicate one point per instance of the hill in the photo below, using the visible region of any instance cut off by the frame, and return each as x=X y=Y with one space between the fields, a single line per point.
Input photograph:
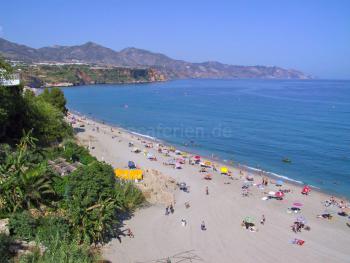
x=92 y=53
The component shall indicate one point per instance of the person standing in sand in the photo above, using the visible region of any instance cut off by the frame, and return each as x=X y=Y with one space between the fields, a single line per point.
x=203 y=227
x=207 y=190
x=263 y=219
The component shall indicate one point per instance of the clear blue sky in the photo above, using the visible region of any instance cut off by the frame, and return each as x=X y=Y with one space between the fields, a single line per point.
x=313 y=36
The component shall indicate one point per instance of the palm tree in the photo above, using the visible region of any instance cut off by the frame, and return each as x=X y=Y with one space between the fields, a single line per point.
x=21 y=184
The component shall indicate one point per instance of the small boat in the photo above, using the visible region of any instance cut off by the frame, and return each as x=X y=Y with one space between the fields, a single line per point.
x=286 y=160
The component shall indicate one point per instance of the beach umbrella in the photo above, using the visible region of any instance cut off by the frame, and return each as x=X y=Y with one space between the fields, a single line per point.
x=306 y=189
x=207 y=163
x=131 y=165
x=224 y=170
x=197 y=157
x=279 y=194
x=297 y=204
x=150 y=155
x=171 y=161
x=178 y=166
x=249 y=219
x=250 y=177
x=279 y=182
x=301 y=219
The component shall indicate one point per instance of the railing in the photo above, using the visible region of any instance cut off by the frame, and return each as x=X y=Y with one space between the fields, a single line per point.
x=14 y=80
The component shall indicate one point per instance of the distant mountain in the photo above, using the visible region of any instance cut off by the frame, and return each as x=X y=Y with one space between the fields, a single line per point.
x=93 y=53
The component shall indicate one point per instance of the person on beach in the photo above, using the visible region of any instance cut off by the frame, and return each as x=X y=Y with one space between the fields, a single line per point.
x=129 y=233
x=171 y=209
x=207 y=190
x=263 y=219
x=167 y=211
x=183 y=222
x=203 y=227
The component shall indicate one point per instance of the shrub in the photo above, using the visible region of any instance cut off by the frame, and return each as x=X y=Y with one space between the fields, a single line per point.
x=46 y=121
x=60 y=186
x=23 y=226
x=76 y=153
x=62 y=251
x=5 y=242
x=128 y=195
x=90 y=202
x=56 y=98
x=52 y=227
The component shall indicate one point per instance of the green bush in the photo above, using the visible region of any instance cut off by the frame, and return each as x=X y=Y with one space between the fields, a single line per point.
x=60 y=186
x=5 y=242
x=128 y=195
x=62 y=251
x=46 y=121
x=90 y=202
x=77 y=153
x=23 y=226
x=52 y=227
x=56 y=98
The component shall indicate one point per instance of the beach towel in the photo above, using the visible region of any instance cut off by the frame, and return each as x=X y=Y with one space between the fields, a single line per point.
x=297 y=241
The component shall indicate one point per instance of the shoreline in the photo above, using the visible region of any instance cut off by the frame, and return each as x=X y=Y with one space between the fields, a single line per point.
x=165 y=235
x=71 y=85
x=236 y=166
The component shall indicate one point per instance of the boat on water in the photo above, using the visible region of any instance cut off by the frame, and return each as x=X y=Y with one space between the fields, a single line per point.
x=286 y=160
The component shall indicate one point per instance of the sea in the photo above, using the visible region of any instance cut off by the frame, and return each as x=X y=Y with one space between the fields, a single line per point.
x=298 y=130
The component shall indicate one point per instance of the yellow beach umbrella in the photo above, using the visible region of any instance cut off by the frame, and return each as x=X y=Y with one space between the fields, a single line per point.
x=207 y=163
x=224 y=170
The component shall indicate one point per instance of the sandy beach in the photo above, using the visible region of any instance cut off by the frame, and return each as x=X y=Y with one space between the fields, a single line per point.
x=159 y=236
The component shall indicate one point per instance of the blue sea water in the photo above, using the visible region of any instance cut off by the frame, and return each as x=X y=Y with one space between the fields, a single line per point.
x=253 y=122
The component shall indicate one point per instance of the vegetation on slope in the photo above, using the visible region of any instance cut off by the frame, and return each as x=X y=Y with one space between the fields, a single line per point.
x=39 y=75
x=66 y=214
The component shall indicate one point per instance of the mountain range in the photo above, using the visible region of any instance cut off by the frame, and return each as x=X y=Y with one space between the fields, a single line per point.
x=92 y=53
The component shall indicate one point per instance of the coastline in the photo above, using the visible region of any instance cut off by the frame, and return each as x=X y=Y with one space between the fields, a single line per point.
x=236 y=166
x=222 y=210
x=70 y=85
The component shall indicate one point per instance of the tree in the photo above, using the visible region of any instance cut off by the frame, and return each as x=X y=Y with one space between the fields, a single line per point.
x=90 y=201
x=11 y=106
x=23 y=184
x=46 y=121
x=55 y=97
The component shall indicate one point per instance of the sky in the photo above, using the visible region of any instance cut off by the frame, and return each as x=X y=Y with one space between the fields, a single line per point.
x=310 y=35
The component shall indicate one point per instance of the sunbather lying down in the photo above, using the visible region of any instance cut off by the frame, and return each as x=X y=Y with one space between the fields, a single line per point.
x=298 y=242
x=325 y=216
x=293 y=209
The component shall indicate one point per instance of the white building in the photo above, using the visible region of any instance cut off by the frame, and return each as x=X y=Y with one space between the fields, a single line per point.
x=14 y=80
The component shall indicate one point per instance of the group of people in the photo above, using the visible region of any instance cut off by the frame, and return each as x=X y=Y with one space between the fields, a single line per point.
x=169 y=209
x=297 y=226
